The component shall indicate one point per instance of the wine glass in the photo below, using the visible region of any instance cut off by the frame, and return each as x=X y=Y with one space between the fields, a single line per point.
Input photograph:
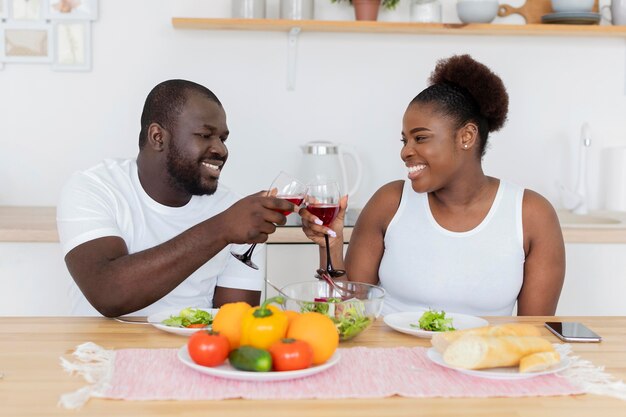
x=286 y=187
x=323 y=202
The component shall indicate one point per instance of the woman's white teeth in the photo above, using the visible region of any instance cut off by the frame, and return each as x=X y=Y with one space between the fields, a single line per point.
x=416 y=168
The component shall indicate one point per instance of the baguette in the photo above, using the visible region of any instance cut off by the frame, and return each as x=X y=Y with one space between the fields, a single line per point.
x=479 y=352
x=538 y=362
x=441 y=341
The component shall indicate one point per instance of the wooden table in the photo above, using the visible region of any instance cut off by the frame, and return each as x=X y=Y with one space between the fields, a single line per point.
x=34 y=380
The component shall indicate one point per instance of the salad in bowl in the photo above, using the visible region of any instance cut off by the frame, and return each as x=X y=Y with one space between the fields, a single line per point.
x=352 y=306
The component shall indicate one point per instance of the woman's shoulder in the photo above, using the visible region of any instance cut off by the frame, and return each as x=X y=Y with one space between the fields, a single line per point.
x=537 y=211
x=390 y=193
x=383 y=205
x=393 y=187
x=533 y=202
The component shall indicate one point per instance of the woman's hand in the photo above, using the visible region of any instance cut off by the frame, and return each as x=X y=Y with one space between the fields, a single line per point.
x=314 y=230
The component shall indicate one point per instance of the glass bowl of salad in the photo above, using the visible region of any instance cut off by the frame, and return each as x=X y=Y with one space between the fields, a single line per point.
x=352 y=306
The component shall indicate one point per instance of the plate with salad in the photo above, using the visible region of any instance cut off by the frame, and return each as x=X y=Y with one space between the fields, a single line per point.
x=183 y=322
x=424 y=323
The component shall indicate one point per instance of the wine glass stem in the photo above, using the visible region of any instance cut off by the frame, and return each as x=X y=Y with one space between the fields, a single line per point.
x=329 y=266
x=248 y=253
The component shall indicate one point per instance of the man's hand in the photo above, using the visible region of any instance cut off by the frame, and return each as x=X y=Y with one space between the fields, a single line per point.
x=253 y=218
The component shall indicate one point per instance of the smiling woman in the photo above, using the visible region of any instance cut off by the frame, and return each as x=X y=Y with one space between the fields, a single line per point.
x=450 y=237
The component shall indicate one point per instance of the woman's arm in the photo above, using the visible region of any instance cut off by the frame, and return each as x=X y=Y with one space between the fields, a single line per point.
x=544 y=269
x=366 y=243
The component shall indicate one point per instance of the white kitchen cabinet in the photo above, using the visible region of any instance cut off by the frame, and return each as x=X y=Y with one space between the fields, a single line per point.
x=595 y=280
x=291 y=263
x=34 y=280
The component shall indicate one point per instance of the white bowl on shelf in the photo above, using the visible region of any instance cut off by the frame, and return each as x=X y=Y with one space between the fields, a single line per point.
x=477 y=11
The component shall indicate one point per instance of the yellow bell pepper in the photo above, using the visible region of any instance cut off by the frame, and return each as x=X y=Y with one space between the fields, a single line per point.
x=262 y=326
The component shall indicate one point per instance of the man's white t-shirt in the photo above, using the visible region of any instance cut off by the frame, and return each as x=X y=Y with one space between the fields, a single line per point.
x=108 y=200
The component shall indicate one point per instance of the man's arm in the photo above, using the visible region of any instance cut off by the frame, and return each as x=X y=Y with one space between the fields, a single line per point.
x=225 y=295
x=116 y=282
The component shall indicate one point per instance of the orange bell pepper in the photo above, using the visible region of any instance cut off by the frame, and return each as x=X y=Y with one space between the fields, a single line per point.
x=227 y=321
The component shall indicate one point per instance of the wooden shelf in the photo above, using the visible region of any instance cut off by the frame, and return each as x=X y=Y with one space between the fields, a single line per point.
x=398 y=27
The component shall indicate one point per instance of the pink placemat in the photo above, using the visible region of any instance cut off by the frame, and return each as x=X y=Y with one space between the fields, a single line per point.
x=158 y=374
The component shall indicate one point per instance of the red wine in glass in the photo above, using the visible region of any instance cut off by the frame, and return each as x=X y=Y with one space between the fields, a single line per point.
x=323 y=202
x=287 y=188
x=325 y=212
x=297 y=200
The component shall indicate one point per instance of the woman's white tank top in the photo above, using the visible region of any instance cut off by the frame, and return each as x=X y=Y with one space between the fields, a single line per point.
x=478 y=272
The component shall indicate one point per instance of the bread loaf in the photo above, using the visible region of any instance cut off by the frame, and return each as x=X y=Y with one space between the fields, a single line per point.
x=441 y=341
x=479 y=352
x=538 y=362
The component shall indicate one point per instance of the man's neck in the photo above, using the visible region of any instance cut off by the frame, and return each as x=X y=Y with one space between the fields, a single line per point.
x=154 y=181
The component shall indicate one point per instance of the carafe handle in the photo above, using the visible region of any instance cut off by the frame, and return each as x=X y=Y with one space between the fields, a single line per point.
x=350 y=151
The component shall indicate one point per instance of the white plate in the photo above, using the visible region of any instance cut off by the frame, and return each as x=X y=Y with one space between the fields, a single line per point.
x=156 y=319
x=402 y=322
x=227 y=371
x=511 y=372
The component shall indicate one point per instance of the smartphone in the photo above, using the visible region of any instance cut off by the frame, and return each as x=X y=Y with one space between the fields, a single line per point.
x=572 y=332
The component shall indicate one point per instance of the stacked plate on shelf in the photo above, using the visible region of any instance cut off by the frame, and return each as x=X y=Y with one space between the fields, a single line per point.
x=573 y=12
x=571 y=18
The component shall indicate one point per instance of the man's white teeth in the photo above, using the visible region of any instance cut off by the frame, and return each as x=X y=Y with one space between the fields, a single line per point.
x=416 y=168
x=215 y=167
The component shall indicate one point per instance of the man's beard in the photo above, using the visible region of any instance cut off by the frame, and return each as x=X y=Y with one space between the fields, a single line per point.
x=185 y=175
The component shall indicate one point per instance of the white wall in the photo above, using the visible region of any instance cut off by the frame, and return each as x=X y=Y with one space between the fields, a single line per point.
x=351 y=88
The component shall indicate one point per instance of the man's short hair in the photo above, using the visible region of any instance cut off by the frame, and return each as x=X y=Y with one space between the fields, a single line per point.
x=165 y=103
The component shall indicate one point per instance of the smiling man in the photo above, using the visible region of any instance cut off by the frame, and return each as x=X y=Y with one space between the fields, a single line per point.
x=146 y=234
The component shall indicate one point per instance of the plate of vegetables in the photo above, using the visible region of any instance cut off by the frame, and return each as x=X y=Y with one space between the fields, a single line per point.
x=183 y=322
x=425 y=323
x=228 y=371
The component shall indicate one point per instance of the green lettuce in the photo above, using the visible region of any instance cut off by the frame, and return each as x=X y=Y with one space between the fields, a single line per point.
x=434 y=321
x=349 y=316
x=189 y=316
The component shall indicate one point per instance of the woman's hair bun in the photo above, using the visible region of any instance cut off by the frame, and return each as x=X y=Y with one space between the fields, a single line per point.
x=484 y=86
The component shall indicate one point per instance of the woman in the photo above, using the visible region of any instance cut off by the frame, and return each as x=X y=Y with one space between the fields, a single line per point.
x=449 y=237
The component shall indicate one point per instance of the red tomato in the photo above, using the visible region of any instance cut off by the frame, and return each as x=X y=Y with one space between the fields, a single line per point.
x=196 y=325
x=291 y=354
x=208 y=348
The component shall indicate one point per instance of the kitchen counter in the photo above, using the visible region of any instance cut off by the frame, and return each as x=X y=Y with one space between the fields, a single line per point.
x=34 y=380
x=38 y=224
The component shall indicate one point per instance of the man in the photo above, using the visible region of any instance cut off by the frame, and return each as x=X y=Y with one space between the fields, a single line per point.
x=144 y=235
